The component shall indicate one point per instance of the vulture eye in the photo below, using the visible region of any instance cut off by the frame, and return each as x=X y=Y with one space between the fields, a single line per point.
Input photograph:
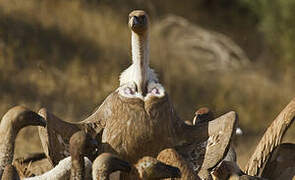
x=142 y=18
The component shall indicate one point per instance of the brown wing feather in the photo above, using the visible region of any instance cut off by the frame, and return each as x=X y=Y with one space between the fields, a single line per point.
x=212 y=144
x=55 y=136
x=97 y=121
x=271 y=139
x=32 y=165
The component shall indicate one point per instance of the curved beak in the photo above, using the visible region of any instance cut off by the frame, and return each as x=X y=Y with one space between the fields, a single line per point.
x=36 y=119
x=162 y=170
x=122 y=165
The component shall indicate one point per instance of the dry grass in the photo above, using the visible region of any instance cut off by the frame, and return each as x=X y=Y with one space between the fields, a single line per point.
x=67 y=57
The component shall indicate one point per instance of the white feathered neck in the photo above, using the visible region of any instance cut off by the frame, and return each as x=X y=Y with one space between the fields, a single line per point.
x=139 y=72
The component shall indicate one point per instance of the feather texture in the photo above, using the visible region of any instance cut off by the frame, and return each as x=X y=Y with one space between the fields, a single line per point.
x=271 y=139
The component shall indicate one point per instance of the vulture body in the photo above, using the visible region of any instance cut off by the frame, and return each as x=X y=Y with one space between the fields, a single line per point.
x=134 y=128
x=138 y=119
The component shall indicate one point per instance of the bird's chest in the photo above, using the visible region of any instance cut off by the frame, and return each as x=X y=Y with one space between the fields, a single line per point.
x=134 y=131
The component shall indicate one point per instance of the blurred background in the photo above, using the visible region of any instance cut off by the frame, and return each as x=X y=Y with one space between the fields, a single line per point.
x=226 y=55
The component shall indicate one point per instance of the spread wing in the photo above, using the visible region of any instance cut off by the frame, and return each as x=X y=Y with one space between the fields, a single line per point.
x=220 y=133
x=55 y=136
x=212 y=144
x=271 y=139
x=95 y=123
